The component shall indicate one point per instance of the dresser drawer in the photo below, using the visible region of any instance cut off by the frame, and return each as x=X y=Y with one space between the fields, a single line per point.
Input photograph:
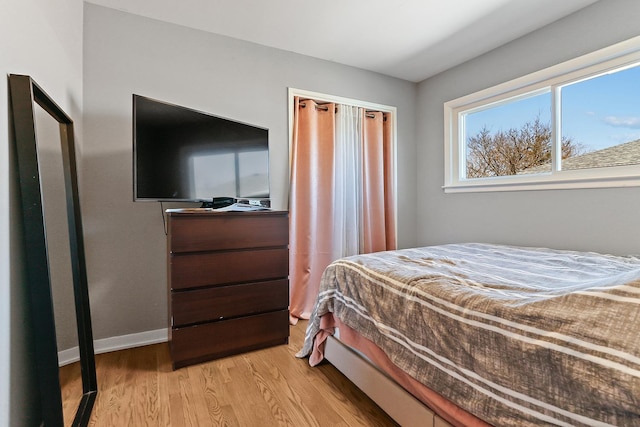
x=208 y=341
x=222 y=231
x=221 y=302
x=216 y=268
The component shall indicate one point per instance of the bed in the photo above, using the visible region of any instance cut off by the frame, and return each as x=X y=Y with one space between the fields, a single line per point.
x=486 y=334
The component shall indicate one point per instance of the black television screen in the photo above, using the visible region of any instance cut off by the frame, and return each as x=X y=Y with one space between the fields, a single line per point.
x=180 y=154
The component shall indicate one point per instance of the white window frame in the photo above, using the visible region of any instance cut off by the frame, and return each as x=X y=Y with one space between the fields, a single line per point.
x=552 y=78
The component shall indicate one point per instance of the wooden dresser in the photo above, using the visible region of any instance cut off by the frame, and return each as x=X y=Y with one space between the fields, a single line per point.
x=228 y=283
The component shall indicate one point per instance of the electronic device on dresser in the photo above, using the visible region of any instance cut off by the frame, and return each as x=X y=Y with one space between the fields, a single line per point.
x=228 y=283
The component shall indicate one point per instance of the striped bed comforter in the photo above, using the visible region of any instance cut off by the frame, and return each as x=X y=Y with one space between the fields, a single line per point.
x=515 y=336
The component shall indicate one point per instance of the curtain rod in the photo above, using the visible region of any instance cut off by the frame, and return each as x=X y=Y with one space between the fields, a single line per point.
x=324 y=107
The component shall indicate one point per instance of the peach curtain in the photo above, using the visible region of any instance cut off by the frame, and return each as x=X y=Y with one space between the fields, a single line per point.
x=378 y=222
x=311 y=202
x=341 y=185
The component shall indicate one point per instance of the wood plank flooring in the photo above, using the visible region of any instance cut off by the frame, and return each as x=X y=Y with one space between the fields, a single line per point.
x=270 y=387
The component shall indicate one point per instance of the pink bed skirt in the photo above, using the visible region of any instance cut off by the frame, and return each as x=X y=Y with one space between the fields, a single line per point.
x=447 y=410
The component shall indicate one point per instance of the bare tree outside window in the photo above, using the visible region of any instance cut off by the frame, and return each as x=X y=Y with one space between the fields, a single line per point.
x=515 y=151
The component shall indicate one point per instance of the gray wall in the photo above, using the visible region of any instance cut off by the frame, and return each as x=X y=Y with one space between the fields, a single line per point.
x=604 y=220
x=43 y=39
x=126 y=54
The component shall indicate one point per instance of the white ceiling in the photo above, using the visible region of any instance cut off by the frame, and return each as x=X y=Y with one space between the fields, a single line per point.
x=409 y=39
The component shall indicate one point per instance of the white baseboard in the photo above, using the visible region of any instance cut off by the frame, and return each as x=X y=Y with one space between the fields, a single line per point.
x=121 y=342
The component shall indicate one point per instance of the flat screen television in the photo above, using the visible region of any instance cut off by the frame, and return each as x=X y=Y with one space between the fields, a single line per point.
x=180 y=154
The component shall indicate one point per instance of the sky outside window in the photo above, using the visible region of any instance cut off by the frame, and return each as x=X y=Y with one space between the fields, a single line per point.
x=513 y=114
x=603 y=111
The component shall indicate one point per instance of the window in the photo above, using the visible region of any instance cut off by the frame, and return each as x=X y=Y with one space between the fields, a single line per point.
x=575 y=125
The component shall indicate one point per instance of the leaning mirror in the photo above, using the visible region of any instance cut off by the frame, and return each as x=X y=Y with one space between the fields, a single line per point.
x=55 y=259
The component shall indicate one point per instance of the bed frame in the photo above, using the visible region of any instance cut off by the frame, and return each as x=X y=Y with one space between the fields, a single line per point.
x=399 y=404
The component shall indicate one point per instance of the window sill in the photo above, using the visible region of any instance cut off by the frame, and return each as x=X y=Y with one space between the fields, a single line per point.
x=498 y=184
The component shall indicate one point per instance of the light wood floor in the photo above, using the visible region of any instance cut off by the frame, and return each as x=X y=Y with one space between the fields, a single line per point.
x=270 y=387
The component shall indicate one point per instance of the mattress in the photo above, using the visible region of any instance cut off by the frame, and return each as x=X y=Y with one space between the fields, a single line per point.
x=514 y=336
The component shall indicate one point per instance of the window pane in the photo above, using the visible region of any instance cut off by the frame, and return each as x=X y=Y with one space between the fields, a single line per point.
x=602 y=116
x=512 y=138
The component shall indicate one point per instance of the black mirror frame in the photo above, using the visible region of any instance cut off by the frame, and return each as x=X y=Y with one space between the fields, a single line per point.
x=24 y=92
